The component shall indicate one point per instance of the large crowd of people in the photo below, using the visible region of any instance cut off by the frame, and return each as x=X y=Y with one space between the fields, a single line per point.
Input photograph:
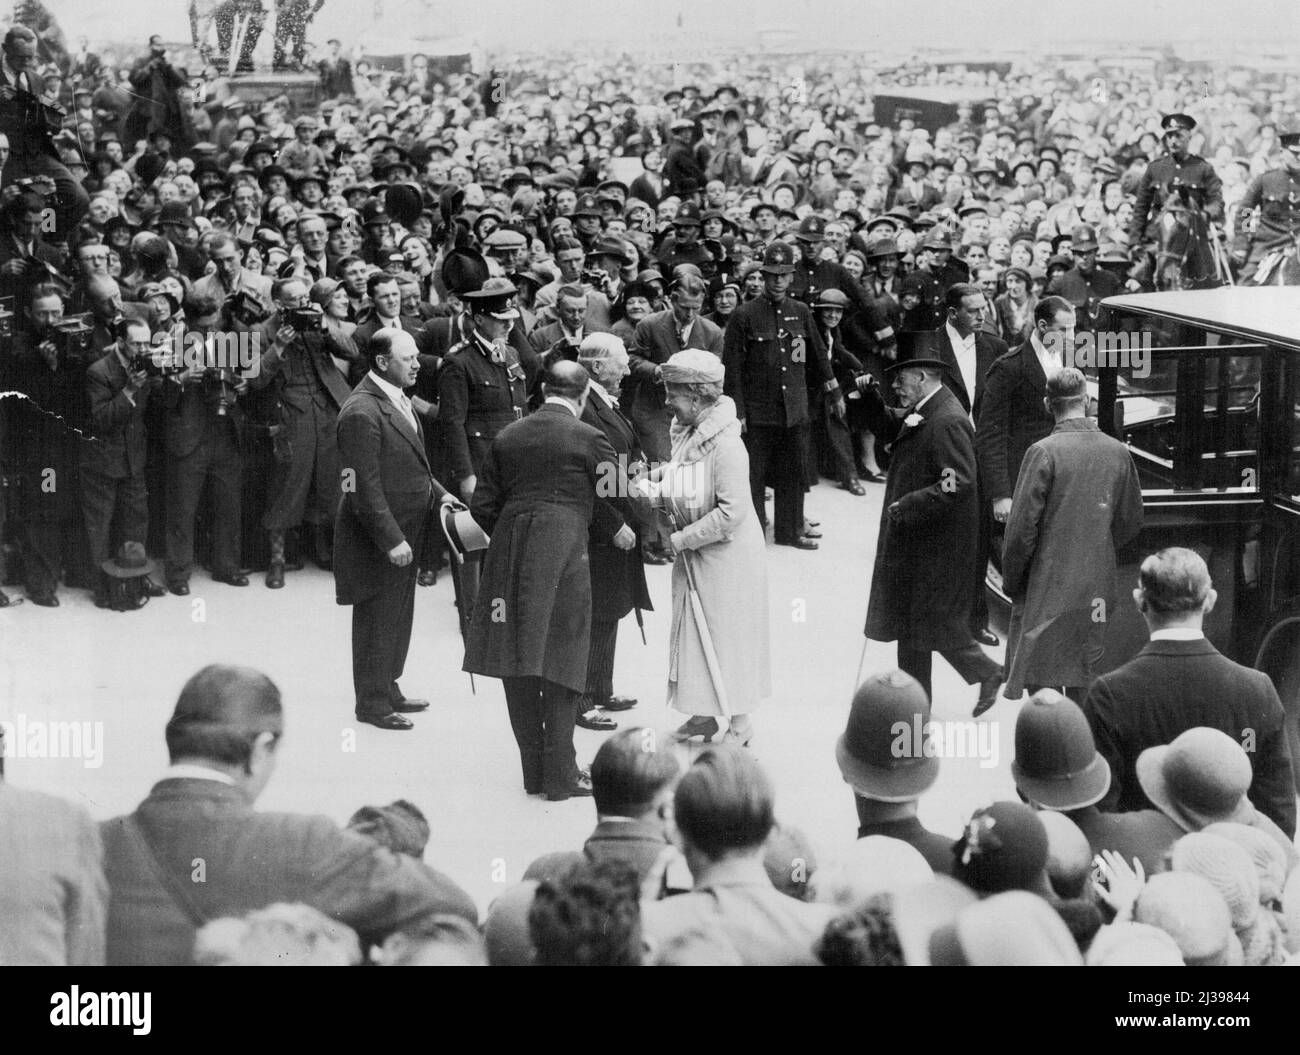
x=218 y=302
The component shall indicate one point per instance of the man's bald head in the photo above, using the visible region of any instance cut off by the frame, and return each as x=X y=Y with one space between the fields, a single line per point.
x=221 y=711
x=566 y=379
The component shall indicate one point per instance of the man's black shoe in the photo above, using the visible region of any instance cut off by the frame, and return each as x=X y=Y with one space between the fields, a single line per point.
x=45 y=600
x=180 y=589
x=619 y=703
x=580 y=788
x=411 y=706
x=988 y=693
x=153 y=589
x=985 y=636
x=387 y=721
x=275 y=575
x=230 y=580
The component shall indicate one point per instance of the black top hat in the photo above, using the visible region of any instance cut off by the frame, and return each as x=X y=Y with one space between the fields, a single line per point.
x=464 y=270
x=916 y=348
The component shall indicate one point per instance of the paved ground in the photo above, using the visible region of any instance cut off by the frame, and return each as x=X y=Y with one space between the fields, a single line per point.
x=77 y=663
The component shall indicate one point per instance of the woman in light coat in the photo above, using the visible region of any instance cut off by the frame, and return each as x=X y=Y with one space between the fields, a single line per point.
x=719 y=655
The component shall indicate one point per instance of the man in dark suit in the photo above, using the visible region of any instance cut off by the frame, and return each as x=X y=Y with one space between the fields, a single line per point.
x=1180 y=681
x=53 y=524
x=204 y=425
x=632 y=786
x=538 y=499
x=617 y=576
x=920 y=594
x=113 y=463
x=385 y=314
x=222 y=741
x=1012 y=416
x=656 y=339
x=969 y=351
x=388 y=491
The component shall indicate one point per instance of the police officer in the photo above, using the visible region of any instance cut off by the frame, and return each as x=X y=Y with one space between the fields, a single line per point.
x=1275 y=195
x=814 y=275
x=683 y=246
x=1167 y=174
x=1085 y=285
x=767 y=345
x=481 y=387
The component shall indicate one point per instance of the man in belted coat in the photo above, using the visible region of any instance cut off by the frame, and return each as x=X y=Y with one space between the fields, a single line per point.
x=387 y=492
x=920 y=587
x=537 y=499
x=617 y=576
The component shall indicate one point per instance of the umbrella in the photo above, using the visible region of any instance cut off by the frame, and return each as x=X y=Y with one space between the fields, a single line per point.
x=706 y=639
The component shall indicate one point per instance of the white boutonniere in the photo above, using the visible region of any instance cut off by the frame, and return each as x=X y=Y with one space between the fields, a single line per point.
x=913 y=420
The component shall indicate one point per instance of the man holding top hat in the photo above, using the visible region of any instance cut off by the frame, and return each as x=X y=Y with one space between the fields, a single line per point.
x=920 y=587
x=387 y=493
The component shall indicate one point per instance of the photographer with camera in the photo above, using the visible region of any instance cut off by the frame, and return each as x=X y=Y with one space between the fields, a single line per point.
x=42 y=456
x=244 y=297
x=25 y=260
x=119 y=386
x=157 y=106
x=571 y=259
x=296 y=367
x=204 y=422
x=30 y=125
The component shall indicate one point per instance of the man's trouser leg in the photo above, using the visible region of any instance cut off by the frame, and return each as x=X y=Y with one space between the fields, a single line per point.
x=559 y=761
x=524 y=703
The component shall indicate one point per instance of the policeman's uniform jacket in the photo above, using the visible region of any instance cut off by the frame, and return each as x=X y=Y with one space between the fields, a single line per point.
x=477 y=398
x=1276 y=194
x=767 y=349
x=1161 y=179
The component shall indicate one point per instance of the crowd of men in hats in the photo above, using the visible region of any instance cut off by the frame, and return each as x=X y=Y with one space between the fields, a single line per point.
x=459 y=240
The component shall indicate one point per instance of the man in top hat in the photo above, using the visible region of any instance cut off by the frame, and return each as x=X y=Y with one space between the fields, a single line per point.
x=768 y=345
x=888 y=782
x=1178 y=681
x=1275 y=197
x=1085 y=285
x=920 y=588
x=113 y=463
x=539 y=501
x=1172 y=173
x=482 y=387
x=388 y=494
x=1077 y=503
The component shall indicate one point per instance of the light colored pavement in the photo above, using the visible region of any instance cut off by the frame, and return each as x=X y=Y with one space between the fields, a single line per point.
x=79 y=664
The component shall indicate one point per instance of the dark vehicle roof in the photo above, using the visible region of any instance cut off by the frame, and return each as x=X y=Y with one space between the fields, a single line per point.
x=1270 y=314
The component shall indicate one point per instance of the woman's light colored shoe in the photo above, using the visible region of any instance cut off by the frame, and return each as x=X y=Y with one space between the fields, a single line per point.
x=739 y=733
